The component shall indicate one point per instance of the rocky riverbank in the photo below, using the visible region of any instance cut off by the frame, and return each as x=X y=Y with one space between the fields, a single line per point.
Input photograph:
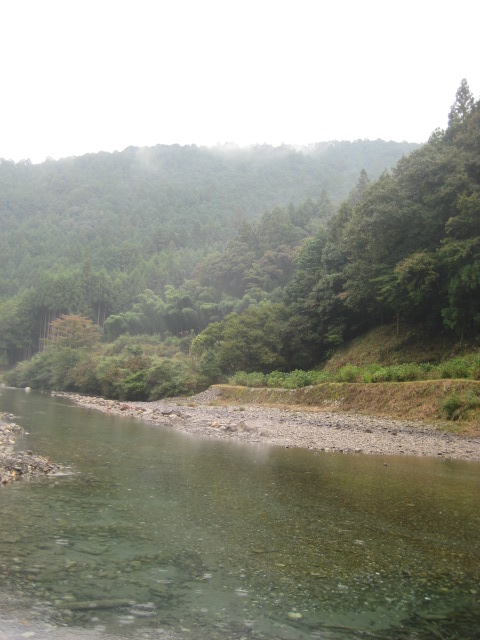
x=319 y=430
x=19 y=464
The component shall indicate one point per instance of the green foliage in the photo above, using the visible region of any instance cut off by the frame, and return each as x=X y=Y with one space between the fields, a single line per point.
x=451 y=406
x=249 y=341
x=374 y=373
x=399 y=373
x=456 y=368
x=48 y=370
x=165 y=249
x=475 y=367
x=403 y=248
x=244 y=379
x=209 y=367
x=348 y=373
x=456 y=408
x=170 y=378
x=146 y=212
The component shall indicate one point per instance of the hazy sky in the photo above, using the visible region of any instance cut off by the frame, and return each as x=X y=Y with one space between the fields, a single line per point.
x=81 y=75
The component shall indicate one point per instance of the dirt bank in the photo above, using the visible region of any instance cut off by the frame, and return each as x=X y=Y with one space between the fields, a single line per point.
x=317 y=429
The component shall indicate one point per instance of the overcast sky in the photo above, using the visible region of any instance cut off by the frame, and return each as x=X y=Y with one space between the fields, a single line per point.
x=82 y=76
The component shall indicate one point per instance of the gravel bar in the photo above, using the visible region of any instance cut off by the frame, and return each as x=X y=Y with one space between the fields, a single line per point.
x=314 y=429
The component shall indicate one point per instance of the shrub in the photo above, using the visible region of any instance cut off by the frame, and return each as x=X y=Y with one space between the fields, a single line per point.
x=369 y=372
x=455 y=368
x=382 y=374
x=348 y=373
x=276 y=379
x=318 y=377
x=110 y=375
x=451 y=407
x=169 y=377
x=239 y=378
x=256 y=379
x=297 y=379
x=135 y=386
x=209 y=368
x=405 y=372
x=243 y=379
x=475 y=369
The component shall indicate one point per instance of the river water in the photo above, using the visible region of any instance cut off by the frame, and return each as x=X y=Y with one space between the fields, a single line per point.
x=156 y=534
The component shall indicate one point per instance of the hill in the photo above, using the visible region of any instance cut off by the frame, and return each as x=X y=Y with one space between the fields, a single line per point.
x=99 y=234
x=284 y=294
x=120 y=209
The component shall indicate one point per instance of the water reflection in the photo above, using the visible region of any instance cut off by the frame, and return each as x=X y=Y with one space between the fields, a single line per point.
x=162 y=533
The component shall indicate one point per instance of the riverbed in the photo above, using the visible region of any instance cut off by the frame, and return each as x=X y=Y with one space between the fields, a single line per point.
x=157 y=532
x=318 y=430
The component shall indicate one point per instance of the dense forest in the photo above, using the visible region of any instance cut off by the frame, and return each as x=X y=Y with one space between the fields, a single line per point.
x=89 y=235
x=153 y=272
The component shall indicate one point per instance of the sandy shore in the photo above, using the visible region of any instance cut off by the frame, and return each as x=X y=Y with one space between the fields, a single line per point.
x=318 y=430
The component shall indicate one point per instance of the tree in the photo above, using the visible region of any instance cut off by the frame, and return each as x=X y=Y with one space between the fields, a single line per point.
x=74 y=332
x=462 y=107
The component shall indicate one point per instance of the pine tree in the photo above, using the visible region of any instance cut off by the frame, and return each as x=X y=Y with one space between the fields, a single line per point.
x=463 y=105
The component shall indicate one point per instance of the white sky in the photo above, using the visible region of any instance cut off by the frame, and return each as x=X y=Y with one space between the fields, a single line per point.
x=81 y=76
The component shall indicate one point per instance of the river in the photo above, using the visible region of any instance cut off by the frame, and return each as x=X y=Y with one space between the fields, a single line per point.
x=153 y=534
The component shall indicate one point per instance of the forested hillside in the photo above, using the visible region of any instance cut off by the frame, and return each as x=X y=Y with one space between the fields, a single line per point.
x=281 y=294
x=88 y=235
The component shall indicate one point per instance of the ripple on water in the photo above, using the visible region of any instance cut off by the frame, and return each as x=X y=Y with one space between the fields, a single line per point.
x=219 y=541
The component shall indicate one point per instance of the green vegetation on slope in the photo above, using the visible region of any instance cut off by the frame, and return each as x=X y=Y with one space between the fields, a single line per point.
x=452 y=405
x=284 y=293
x=171 y=231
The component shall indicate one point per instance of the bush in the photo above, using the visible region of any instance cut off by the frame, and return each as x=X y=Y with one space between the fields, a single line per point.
x=405 y=372
x=135 y=386
x=110 y=375
x=455 y=368
x=382 y=374
x=297 y=379
x=348 y=373
x=475 y=369
x=279 y=379
x=456 y=407
x=209 y=367
x=170 y=377
x=369 y=372
x=276 y=379
x=243 y=379
x=451 y=407
x=50 y=369
x=239 y=379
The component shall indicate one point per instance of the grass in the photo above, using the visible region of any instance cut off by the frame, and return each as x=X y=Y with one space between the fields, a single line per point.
x=419 y=400
x=413 y=344
x=413 y=376
x=456 y=368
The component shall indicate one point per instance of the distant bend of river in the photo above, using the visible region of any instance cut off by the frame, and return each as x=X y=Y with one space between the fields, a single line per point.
x=158 y=534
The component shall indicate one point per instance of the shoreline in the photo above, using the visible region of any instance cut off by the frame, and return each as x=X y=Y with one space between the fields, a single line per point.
x=293 y=427
x=16 y=465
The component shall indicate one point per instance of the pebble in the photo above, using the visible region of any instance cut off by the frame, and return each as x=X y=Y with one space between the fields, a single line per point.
x=294 y=615
x=318 y=430
x=19 y=464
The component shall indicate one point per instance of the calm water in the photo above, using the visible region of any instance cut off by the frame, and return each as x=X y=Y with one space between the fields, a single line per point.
x=156 y=534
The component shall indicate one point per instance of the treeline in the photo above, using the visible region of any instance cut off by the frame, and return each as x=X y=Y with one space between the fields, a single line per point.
x=405 y=248
x=252 y=269
x=148 y=214
x=402 y=249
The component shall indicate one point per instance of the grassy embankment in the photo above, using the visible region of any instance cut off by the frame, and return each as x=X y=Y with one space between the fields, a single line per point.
x=412 y=376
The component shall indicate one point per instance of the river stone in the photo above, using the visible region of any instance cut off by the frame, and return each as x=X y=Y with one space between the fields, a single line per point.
x=294 y=615
x=85 y=547
x=243 y=426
